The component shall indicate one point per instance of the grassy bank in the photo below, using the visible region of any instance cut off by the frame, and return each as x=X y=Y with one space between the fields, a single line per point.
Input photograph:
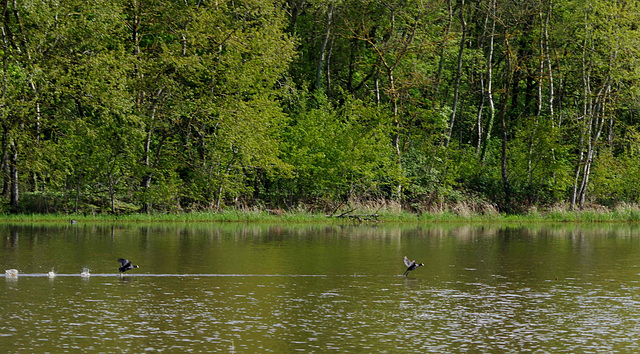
x=361 y=214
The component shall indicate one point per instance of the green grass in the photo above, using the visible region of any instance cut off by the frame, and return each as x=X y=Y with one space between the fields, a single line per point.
x=390 y=215
x=226 y=216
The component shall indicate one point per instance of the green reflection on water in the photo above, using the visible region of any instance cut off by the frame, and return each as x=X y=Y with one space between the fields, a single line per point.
x=483 y=288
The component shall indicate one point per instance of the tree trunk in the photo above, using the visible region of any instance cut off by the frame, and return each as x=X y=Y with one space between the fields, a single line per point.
x=323 y=48
x=146 y=178
x=547 y=57
x=593 y=113
x=396 y=120
x=503 y=125
x=6 y=174
x=456 y=93
x=78 y=184
x=576 y=177
x=483 y=89
x=14 y=198
x=479 y=118
x=135 y=28
x=393 y=92
x=489 y=92
x=587 y=110
x=596 y=125
x=146 y=159
x=328 y=65
x=443 y=51
x=222 y=176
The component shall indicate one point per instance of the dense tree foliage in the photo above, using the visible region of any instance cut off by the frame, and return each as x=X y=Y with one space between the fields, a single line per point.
x=147 y=105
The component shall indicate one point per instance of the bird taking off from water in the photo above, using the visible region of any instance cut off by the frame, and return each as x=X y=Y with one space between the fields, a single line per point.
x=125 y=265
x=411 y=265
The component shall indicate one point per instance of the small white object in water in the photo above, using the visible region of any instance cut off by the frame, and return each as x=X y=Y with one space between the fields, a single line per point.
x=85 y=273
x=51 y=274
x=11 y=273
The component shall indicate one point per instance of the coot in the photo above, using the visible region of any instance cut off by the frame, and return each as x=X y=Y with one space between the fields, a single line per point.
x=125 y=265
x=411 y=265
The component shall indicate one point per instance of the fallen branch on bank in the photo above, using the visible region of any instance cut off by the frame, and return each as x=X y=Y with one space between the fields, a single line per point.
x=359 y=217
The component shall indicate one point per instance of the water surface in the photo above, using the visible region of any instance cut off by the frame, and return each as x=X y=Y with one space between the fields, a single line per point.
x=272 y=288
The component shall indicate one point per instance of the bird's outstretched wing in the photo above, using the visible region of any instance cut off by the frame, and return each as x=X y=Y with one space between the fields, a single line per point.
x=123 y=262
x=407 y=262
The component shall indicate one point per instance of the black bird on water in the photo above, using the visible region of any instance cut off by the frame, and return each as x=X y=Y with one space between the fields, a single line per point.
x=411 y=265
x=125 y=265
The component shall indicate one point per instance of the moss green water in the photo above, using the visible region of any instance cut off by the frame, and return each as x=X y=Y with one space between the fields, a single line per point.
x=319 y=287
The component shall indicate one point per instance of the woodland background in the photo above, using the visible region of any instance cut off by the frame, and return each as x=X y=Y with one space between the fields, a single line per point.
x=154 y=105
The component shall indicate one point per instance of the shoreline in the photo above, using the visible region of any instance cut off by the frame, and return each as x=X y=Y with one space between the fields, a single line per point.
x=621 y=215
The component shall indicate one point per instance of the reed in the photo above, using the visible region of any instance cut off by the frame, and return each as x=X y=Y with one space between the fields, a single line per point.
x=383 y=212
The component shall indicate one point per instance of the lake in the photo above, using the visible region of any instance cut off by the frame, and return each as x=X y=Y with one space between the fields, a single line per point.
x=314 y=288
